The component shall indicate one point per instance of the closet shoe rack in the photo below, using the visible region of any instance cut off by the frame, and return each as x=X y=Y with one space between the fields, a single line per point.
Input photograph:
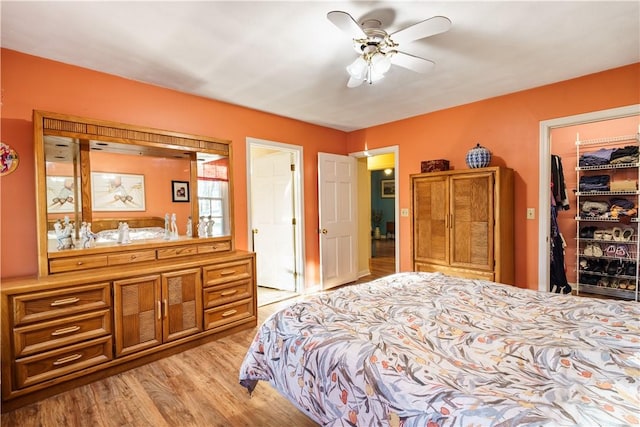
x=607 y=221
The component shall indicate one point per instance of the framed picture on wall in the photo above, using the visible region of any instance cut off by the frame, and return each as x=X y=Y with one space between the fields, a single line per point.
x=61 y=193
x=117 y=192
x=388 y=187
x=180 y=191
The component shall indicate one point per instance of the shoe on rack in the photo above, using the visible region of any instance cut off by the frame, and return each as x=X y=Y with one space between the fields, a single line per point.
x=630 y=269
x=600 y=265
x=616 y=232
x=621 y=251
x=612 y=268
x=627 y=233
x=587 y=232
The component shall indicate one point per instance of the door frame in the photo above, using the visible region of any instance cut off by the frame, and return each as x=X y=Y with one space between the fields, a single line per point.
x=544 y=165
x=395 y=150
x=298 y=193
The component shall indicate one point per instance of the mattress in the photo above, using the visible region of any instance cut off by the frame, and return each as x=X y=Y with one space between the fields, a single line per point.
x=426 y=349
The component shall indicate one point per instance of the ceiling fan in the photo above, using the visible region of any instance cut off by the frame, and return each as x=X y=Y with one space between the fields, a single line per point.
x=378 y=49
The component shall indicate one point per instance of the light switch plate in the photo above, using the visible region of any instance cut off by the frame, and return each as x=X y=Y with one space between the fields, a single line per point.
x=531 y=213
x=404 y=212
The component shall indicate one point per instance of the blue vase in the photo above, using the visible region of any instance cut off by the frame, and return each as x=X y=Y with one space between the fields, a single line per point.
x=478 y=157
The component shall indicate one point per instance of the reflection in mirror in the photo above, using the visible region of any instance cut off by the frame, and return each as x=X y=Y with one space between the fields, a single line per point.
x=133 y=183
x=99 y=176
x=63 y=180
x=213 y=192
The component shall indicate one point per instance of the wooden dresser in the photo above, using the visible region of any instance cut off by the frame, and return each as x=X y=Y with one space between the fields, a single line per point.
x=101 y=306
x=462 y=223
x=71 y=328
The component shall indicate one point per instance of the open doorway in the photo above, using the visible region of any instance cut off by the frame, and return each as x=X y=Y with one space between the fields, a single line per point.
x=275 y=220
x=546 y=128
x=383 y=220
x=383 y=258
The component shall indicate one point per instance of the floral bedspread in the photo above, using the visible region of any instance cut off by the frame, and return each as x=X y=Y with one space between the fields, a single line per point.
x=426 y=349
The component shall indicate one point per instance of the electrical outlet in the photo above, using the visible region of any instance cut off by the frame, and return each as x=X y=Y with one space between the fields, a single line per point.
x=531 y=213
x=404 y=212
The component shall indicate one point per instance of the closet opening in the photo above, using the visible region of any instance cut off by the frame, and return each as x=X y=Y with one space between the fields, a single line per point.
x=561 y=246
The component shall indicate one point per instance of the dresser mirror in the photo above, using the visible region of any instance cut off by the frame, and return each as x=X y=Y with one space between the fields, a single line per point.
x=102 y=174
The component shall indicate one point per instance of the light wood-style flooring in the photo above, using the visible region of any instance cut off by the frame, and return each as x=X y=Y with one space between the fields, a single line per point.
x=198 y=387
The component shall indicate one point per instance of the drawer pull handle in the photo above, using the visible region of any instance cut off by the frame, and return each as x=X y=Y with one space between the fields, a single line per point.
x=67 y=359
x=64 y=331
x=229 y=292
x=227 y=272
x=159 y=310
x=79 y=263
x=229 y=313
x=65 y=301
x=133 y=257
x=166 y=308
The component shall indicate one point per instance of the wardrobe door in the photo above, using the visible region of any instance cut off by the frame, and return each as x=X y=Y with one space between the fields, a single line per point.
x=431 y=219
x=472 y=222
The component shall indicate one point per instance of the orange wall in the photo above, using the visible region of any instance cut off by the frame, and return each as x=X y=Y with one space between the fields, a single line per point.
x=30 y=83
x=509 y=127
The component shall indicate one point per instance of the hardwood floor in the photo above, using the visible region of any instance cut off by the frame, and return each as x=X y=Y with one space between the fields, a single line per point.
x=198 y=387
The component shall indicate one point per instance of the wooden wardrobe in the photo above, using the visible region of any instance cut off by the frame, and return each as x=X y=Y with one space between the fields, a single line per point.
x=462 y=223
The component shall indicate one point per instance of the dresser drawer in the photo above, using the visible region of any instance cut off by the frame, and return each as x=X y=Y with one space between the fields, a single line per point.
x=61 y=265
x=226 y=272
x=214 y=247
x=177 y=252
x=132 y=257
x=53 y=334
x=45 y=305
x=45 y=366
x=219 y=316
x=229 y=292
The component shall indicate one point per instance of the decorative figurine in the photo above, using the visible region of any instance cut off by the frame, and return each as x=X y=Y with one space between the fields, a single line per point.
x=91 y=237
x=189 y=227
x=83 y=234
x=167 y=233
x=202 y=227
x=123 y=233
x=174 y=227
x=64 y=234
x=210 y=227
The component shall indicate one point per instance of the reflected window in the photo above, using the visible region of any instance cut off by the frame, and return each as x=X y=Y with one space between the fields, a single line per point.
x=213 y=191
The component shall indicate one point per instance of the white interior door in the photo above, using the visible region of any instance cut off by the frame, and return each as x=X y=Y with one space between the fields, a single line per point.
x=272 y=220
x=337 y=192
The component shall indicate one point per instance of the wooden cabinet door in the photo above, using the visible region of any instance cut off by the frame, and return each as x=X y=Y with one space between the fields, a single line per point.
x=431 y=219
x=137 y=314
x=472 y=220
x=181 y=303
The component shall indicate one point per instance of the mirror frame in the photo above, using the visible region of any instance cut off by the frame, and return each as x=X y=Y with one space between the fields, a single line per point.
x=81 y=128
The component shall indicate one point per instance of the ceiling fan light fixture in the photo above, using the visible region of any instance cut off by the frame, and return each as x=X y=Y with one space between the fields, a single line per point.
x=380 y=63
x=376 y=47
x=358 y=68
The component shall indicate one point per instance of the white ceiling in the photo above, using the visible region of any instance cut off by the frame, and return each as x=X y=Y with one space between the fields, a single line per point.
x=286 y=58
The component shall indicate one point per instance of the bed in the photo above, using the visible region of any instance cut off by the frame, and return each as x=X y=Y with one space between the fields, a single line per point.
x=426 y=349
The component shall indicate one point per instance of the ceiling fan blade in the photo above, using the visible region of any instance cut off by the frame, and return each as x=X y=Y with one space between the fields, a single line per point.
x=428 y=27
x=354 y=82
x=346 y=23
x=412 y=62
